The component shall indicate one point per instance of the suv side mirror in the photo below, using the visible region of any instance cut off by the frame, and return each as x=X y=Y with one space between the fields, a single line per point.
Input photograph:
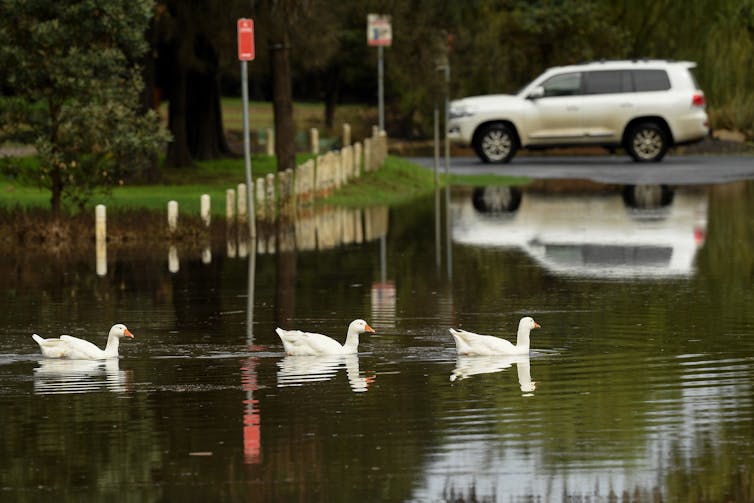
x=536 y=93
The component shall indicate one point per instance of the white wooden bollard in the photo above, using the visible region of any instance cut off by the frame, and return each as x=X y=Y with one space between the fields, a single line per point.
x=204 y=209
x=367 y=155
x=346 y=134
x=260 y=200
x=270 y=196
x=383 y=148
x=242 y=213
x=100 y=233
x=270 y=141
x=230 y=206
x=314 y=135
x=172 y=216
x=358 y=160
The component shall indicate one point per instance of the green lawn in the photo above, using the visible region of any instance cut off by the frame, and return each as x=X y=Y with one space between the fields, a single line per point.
x=398 y=181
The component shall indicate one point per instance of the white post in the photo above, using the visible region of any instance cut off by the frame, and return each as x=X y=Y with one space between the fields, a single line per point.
x=242 y=198
x=204 y=209
x=230 y=206
x=314 y=132
x=100 y=233
x=346 y=134
x=270 y=142
x=172 y=216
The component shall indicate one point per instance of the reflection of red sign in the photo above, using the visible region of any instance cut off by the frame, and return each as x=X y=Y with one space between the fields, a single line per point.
x=379 y=30
x=252 y=416
x=245 y=39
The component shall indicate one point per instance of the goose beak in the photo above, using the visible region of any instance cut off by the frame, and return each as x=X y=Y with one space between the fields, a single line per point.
x=536 y=325
x=367 y=328
x=127 y=333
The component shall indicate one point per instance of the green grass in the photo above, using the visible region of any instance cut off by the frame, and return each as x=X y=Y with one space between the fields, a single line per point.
x=398 y=181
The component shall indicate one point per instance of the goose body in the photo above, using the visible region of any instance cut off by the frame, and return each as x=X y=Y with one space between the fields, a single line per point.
x=298 y=343
x=469 y=343
x=74 y=348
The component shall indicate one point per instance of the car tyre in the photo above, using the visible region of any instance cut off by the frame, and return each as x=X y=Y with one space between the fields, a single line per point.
x=647 y=142
x=496 y=143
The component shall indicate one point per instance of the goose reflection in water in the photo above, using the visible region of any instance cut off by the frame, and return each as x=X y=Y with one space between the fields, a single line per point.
x=467 y=366
x=79 y=376
x=301 y=370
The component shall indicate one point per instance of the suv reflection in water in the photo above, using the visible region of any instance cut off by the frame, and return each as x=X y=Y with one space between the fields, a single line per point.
x=637 y=231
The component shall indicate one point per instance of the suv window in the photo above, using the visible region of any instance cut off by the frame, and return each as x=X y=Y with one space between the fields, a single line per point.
x=607 y=82
x=566 y=84
x=650 y=80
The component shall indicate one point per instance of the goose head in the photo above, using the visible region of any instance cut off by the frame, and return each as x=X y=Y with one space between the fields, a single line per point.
x=359 y=327
x=119 y=330
x=527 y=323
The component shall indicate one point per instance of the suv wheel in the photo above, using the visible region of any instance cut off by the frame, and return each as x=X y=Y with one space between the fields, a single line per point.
x=647 y=142
x=495 y=143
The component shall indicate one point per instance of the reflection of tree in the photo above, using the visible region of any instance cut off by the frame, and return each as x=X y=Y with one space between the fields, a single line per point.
x=285 y=286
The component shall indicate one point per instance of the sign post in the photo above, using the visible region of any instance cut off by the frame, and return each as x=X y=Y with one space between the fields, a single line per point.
x=379 y=34
x=245 y=29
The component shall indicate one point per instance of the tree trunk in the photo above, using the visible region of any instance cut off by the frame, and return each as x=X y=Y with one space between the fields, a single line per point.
x=150 y=96
x=178 y=151
x=206 y=134
x=57 y=192
x=204 y=126
x=332 y=93
x=282 y=103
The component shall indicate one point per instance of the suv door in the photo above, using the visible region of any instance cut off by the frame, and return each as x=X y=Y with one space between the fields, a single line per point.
x=607 y=105
x=555 y=116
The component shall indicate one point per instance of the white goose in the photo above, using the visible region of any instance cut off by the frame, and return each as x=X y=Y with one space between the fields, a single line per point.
x=298 y=343
x=469 y=343
x=74 y=348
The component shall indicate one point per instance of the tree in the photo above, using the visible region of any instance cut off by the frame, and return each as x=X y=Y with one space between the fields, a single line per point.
x=189 y=38
x=278 y=18
x=72 y=89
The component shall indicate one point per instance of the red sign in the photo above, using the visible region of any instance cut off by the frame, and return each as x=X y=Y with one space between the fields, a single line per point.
x=246 y=39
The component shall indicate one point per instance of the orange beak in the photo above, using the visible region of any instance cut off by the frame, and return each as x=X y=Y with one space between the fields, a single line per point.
x=536 y=325
x=367 y=328
x=127 y=333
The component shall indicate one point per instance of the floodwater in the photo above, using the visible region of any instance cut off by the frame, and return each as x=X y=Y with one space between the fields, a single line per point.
x=639 y=385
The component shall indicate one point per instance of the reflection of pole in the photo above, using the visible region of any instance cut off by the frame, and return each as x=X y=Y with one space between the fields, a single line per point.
x=247 y=148
x=448 y=232
x=380 y=88
x=250 y=299
x=383 y=259
x=437 y=186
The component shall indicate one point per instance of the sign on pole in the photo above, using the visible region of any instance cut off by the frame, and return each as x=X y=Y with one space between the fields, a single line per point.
x=245 y=39
x=379 y=30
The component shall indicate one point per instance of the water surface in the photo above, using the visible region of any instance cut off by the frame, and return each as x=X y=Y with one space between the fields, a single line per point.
x=639 y=384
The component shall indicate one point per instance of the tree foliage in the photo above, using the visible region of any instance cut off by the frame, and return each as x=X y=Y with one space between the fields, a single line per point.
x=71 y=87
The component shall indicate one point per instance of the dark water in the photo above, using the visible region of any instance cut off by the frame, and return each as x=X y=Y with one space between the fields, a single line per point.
x=639 y=386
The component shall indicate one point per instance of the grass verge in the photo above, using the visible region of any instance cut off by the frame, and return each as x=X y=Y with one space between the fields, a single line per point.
x=397 y=182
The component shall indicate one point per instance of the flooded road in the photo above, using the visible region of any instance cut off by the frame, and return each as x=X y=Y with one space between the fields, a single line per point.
x=639 y=385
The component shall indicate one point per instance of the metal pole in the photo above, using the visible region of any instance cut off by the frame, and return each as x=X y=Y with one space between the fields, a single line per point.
x=380 y=88
x=447 y=117
x=437 y=146
x=448 y=223
x=247 y=149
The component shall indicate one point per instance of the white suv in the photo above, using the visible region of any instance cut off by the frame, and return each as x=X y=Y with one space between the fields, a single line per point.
x=645 y=106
